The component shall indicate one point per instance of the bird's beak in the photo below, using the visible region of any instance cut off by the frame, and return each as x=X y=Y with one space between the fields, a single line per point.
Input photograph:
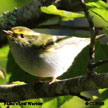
x=7 y=32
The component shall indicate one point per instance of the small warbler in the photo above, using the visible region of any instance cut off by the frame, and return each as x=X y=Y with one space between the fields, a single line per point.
x=43 y=55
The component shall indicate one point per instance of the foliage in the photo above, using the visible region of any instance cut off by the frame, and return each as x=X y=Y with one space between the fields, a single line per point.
x=65 y=15
x=99 y=10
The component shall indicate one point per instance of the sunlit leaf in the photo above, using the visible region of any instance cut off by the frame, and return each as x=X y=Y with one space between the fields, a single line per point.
x=56 y=102
x=3 y=62
x=66 y=15
x=18 y=82
x=2 y=74
x=104 y=97
x=99 y=10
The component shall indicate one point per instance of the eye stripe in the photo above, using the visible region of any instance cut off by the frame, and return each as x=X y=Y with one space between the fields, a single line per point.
x=14 y=34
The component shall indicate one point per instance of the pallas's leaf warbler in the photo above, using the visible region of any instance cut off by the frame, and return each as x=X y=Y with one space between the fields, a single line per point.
x=43 y=55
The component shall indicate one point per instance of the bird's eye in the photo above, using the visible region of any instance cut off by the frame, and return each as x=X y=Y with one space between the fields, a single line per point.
x=22 y=35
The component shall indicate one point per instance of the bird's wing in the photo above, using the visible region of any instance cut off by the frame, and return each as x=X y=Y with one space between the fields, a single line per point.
x=66 y=40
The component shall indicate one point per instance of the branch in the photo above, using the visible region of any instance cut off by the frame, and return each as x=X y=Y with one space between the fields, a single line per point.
x=70 y=86
x=93 y=36
x=101 y=62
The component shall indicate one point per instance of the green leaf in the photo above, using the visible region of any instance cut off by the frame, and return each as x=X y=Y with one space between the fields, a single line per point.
x=2 y=105
x=64 y=102
x=78 y=34
x=66 y=15
x=18 y=82
x=103 y=98
x=99 y=10
x=2 y=74
x=56 y=102
x=3 y=62
x=101 y=54
x=105 y=29
x=49 y=10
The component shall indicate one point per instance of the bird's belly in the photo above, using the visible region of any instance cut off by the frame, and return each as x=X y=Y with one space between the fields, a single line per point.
x=47 y=64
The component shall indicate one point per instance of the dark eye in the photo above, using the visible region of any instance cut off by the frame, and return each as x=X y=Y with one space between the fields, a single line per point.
x=22 y=35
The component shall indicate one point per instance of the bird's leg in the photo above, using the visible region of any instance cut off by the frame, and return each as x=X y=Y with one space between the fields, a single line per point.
x=53 y=79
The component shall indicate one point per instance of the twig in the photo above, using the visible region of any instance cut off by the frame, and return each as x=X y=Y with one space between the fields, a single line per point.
x=101 y=62
x=93 y=36
x=56 y=26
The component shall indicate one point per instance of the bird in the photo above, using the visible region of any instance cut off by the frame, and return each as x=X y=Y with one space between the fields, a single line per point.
x=43 y=55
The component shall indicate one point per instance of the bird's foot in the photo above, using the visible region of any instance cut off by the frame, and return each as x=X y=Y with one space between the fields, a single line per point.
x=53 y=79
